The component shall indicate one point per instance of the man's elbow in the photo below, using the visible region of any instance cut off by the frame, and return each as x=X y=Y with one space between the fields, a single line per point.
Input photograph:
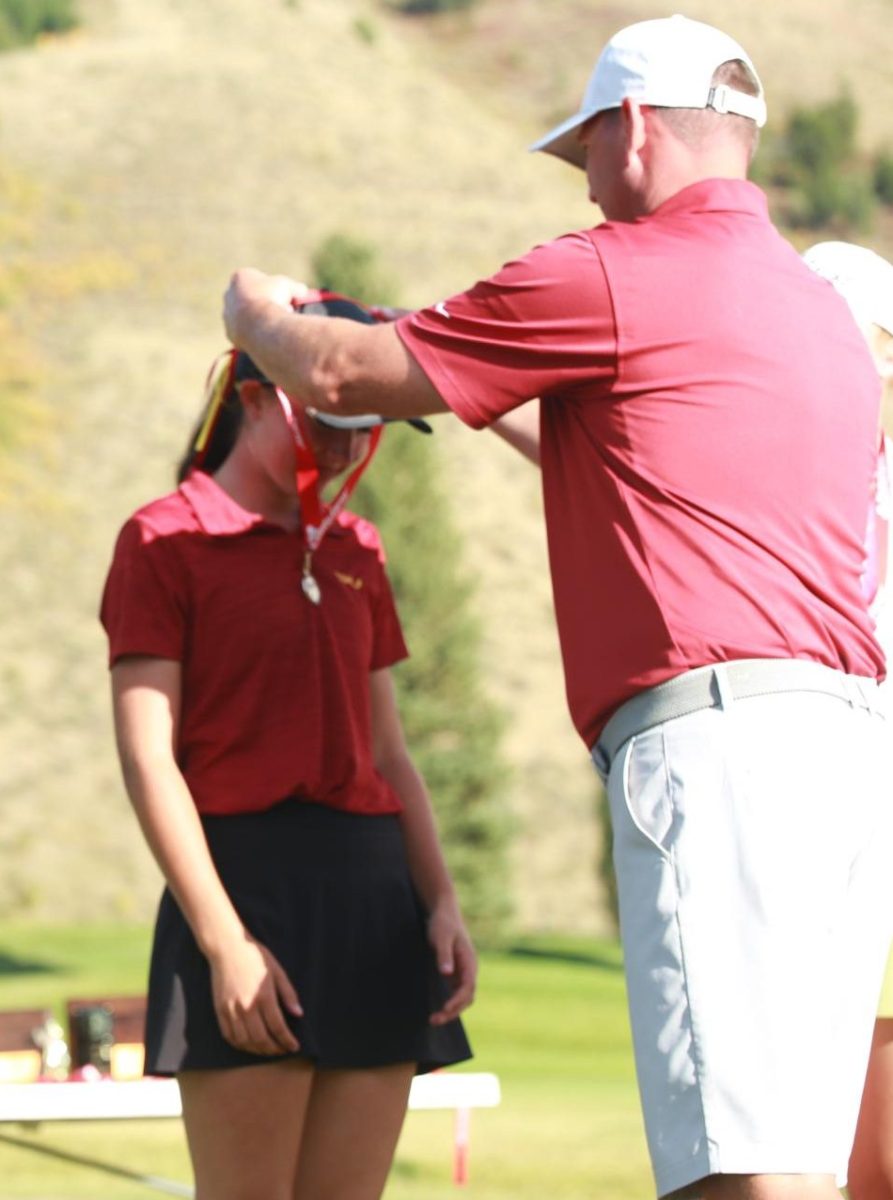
x=325 y=389
x=341 y=382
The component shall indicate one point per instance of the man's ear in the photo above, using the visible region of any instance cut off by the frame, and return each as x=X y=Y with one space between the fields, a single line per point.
x=634 y=128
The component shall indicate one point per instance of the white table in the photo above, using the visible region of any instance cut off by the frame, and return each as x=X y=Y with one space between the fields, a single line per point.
x=115 y=1100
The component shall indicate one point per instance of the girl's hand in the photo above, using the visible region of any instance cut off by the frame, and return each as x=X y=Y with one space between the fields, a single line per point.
x=250 y=990
x=456 y=959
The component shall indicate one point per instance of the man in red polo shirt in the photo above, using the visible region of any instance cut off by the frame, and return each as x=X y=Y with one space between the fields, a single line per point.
x=705 y=495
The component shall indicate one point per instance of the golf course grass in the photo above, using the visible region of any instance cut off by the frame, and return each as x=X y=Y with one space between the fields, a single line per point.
x=550 y=1020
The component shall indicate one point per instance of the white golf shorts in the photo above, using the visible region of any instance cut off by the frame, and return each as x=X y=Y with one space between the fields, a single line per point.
x=752 y=844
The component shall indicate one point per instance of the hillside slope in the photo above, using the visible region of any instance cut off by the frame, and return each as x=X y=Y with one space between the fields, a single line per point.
x=170 y=143
x=162 y=146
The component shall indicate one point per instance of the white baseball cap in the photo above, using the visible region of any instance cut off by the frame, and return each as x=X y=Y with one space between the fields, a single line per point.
x=668 y=63
x=863 y=278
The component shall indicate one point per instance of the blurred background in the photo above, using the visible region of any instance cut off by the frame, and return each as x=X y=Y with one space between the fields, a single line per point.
x=378 y=147
x=148 y=150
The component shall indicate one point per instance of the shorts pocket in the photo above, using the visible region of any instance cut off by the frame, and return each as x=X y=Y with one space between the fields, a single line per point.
x=640 y=792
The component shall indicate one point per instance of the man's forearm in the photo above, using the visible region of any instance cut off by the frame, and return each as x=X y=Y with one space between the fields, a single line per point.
x=330 y=363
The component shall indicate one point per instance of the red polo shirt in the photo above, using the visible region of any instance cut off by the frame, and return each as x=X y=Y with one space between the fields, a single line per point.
x=275 y=689
x=709 y=433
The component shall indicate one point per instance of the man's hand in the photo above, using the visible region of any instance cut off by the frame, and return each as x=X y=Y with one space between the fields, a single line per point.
x=250 y=289
x=333 y=364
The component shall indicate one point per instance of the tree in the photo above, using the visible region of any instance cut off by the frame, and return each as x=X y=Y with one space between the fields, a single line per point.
x=823 y=137
x=452 y=729
x=837 y=198
x=23 y=21
x=883 y=177
x=349 y=265
x=818 y=159
x=419 y=7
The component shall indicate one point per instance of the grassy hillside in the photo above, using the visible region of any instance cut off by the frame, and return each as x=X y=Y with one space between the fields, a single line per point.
x=529 y=61
x=143 y=158
x=166 y=145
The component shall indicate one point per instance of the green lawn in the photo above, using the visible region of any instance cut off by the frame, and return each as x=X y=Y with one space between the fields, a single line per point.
x=550 y=1020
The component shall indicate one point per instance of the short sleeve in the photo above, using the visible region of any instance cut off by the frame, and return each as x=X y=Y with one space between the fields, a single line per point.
x=388 y=643
x=543 y=324
x=145 y=602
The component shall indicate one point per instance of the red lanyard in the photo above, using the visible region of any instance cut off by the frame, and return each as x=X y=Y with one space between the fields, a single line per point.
x=317 y=517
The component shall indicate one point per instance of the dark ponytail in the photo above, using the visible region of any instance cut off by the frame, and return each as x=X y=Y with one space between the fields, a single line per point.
x=223 y=409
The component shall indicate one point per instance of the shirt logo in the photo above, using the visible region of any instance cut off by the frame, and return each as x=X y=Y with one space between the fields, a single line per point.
x=351 y=580
x=441 y=308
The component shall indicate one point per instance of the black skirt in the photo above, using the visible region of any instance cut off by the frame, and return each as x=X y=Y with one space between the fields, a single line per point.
x=329 y=894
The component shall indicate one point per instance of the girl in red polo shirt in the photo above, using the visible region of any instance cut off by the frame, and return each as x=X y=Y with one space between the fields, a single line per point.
x=309 y=953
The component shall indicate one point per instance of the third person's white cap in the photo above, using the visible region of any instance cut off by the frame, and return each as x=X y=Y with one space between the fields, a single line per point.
x=863 y=278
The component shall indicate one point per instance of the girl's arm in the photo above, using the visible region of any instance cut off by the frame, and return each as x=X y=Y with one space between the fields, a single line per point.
x=446 y=930
x=249 y=985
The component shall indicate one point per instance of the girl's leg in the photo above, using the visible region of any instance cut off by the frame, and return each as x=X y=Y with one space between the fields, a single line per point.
x=244 y=1128
x=351 y=1129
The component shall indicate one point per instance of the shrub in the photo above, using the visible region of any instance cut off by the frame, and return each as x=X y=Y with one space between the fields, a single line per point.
x=883 y=177
x=366 y=30
x=817 y=160
x=22 y=21
x=823 y=137
x=840 y=197
x=347 y=264
x=772 y=166
x=452 y=729
x=419 y=7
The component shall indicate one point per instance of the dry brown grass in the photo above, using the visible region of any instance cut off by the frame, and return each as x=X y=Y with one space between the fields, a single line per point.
x=530 y=60
x=169 y=143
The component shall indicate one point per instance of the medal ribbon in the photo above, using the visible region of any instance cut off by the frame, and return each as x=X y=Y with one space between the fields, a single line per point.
x=317 y=517
x=217 y=387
